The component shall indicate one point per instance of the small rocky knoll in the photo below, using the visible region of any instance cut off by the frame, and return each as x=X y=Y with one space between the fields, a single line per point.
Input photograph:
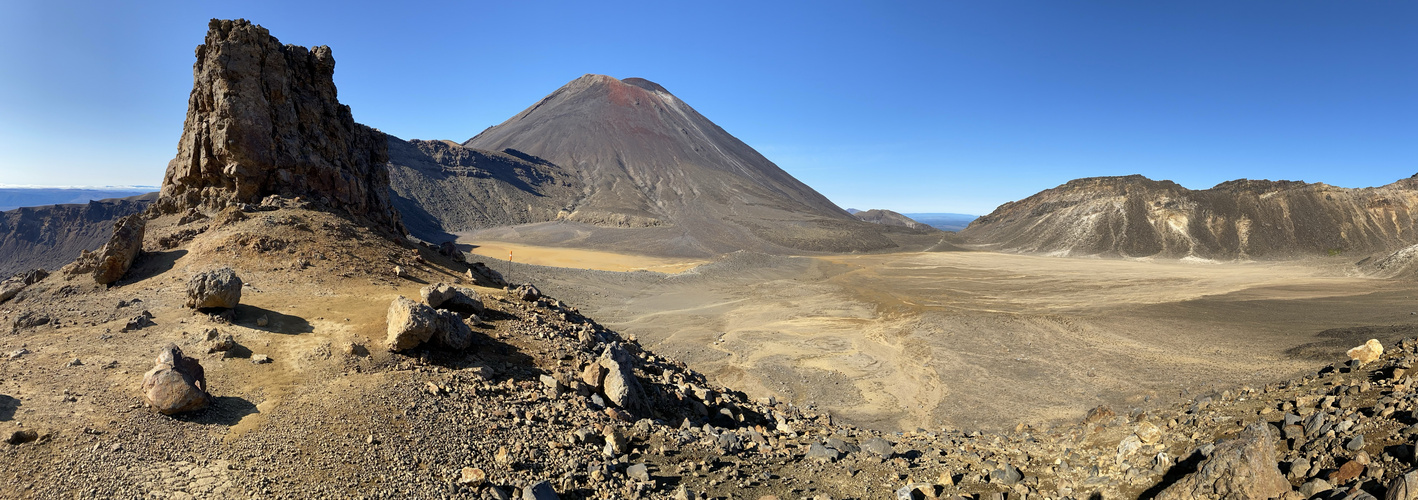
x=264 y=119
x=890 y=218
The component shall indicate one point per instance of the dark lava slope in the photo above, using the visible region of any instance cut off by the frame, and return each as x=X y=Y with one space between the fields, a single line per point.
x=1134 y=216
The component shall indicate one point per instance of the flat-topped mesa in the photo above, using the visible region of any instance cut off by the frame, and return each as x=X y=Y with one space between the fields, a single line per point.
x=264 y=119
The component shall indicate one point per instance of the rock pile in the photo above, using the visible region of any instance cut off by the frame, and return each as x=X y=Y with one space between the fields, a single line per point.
x=109 y=263
x=264 y=119
x=176 y=383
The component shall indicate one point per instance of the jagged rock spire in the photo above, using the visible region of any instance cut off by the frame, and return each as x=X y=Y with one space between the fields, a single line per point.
x=263 y=119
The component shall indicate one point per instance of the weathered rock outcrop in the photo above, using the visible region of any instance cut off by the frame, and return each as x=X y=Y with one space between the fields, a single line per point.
x=176 y=383
x=264 y=119
x=109 y=263
x=218 y=288
x=1134 y=216
x=1239 y=468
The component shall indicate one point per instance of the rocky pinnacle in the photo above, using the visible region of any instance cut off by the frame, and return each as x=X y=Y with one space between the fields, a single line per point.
x=264 y=119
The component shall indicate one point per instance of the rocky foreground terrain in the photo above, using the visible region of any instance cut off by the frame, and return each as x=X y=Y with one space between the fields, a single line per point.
x=251 y=338
x=308 y=400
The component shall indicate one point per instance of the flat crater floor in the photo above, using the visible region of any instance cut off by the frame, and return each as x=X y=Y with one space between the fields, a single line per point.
x=981 y=340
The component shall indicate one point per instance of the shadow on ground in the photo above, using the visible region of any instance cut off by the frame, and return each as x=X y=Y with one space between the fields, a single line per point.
x=8 y=405
x=248 y=316
x=225 y=410
x=151 y=264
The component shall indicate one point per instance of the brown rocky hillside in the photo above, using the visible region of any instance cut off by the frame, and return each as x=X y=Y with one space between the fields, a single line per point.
x=1135 y=216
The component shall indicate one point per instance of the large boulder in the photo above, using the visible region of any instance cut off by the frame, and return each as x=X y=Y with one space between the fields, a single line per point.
x=453 y=298
x=620 y=385
x=1240 y=468
x=410 y=324
x=218 y=288
x=176 y=383
x=264 y=119
x=109 y=263
x=450 y=332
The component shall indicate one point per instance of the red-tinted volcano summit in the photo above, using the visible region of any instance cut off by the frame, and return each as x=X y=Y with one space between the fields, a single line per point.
x=636 y=157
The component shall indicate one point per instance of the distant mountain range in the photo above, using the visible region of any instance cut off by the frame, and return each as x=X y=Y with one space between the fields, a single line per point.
x=15 y=197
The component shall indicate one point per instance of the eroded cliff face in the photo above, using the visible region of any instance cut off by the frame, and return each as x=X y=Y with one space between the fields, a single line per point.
x=264 y=119
x=1135 y=216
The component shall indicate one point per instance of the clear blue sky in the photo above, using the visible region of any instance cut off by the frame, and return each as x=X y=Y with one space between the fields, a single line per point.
x=947 y=106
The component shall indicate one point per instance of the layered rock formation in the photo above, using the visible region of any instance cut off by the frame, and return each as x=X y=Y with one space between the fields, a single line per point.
x=264 y=119
x=1135 y=216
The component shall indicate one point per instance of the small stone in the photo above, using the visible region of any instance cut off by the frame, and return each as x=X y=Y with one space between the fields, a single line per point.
x=819 y=452
x=260 y=359
x=472 y=477
x=1008 y=475
x=75 y=362
x=22 y=437
x=542 y=490
x=1350 y=471
x=1355 y=444
x=638 y=472
x=263 y=320
x=502 y=456
x=880 y=447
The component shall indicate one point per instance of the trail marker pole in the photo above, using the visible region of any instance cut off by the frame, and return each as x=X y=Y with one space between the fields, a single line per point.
x=509 y=265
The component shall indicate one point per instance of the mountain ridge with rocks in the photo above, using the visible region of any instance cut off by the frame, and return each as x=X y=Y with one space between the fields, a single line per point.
x=1134 y=216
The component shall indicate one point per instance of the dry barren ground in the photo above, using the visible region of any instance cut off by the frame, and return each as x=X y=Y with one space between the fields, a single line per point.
x=982 y=340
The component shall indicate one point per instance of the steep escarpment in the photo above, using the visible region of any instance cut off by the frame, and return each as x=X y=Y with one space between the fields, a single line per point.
x=649 y=160
x=50 y=236
x=441 y=187
x=264 y=119
x=1135 y=216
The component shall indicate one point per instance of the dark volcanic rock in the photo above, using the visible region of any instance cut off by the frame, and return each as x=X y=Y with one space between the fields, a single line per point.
x=264 y=119
x=1135 y=216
